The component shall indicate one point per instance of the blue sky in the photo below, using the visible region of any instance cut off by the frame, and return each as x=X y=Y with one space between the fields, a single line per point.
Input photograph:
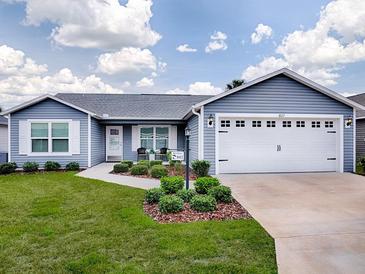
x=130 y=57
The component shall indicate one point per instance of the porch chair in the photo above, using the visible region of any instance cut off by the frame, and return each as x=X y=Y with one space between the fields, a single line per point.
x=142 y=154
x=162 y=154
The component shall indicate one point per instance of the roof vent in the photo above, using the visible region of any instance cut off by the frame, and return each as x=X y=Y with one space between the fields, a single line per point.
x=105 y=115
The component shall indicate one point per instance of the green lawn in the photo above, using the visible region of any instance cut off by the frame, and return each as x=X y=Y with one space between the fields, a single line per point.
x=60 y=223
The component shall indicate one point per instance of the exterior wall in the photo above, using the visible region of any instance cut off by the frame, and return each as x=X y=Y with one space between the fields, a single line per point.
x=280 y=95
x=3 y=138
x=193 y=124
x=181 y=137
x=97 y=142
x=360 y=138
x=49 y=109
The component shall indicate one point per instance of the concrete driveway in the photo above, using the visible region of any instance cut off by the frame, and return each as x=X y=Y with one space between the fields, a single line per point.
x=316 y=219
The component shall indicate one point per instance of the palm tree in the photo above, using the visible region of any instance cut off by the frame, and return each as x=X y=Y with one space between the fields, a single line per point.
x=235 y=83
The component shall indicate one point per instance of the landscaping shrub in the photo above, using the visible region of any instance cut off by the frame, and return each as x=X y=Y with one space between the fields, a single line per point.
x=155 y=162
x=200 y=167
x=144 y=162
x=186 y=194
x=203 y=184
x=172 y=184
x=170 y=204
x=51 y=166
x=120 y=168
x=158 y=171
x=7 y=168
x=221 y=193
x=139 y=170
x=174 y=162
x=127 y=162
x=30 y=167
x=154 y=195
x=203 y=203
x=73 y=166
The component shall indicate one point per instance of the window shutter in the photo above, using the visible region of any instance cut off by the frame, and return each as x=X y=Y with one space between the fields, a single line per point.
x=173 y=138
x=135 y=138
x=75 y=137
x=24 y=137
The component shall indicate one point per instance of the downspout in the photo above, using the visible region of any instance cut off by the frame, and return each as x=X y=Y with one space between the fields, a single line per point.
x=200 y=132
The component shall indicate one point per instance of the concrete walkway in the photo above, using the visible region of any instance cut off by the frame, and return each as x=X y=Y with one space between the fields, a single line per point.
x=317 y=219
x=102 y=172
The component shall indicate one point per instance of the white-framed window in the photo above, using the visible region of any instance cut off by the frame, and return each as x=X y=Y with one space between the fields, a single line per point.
x=316 y=124
x=50 y=137
x=240 y=123
x=225 y=123
x=328 y=124
x=270 y=124
x=154 y=137
x=286 y=123
x=256 y=123
x=300 y=123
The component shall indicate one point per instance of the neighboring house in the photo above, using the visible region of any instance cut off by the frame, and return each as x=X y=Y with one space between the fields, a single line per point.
x=360 y=125
x=3 y=139
x=281 y=122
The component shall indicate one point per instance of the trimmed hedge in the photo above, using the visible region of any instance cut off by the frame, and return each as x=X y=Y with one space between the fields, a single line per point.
x=203 y=184
x=200 y=168
x=120 y=168
x=170 y=204
x=158 y=171
x=144 y=162
x=154 y=195
x=73 y=166
x=139 y=170
x=127 y=162
x=30 y=167
x=155 y=163
x=8 y=168
x=221 y=193
x=203 y=203
x=51 y=166
x=171 y=185
x=186 y=194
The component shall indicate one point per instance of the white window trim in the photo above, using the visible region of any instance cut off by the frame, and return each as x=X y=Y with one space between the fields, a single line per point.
x=49 y=153
x=340 y=163
x=154 y=134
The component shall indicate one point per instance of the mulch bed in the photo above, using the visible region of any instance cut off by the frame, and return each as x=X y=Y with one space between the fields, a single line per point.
x=232 y=211
x=171 y=172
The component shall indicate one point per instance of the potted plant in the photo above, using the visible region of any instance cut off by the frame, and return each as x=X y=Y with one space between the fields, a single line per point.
x=152 y=155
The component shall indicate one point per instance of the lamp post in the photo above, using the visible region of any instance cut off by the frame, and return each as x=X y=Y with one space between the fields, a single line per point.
x=187 y=140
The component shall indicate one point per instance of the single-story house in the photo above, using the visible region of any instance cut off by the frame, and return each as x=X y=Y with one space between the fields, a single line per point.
x=281 y=122
x=3 y=139
x=360 y=125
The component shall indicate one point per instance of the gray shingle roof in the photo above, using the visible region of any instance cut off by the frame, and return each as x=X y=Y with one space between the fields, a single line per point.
x=3 y=120
x=359 y=98
x=160 y=106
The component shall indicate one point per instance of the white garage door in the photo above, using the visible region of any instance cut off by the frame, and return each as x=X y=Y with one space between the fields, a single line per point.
x=249 y=145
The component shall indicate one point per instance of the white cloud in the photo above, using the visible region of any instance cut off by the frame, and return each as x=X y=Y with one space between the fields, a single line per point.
x=217 y=42
x=145 y=83
x=13 y=62
x=337 y=39
x=261 y=32
x=185 y=48
x=198 y=88
x=104 y=24
x=24 y=79
x=268 y=65
x=126 y=60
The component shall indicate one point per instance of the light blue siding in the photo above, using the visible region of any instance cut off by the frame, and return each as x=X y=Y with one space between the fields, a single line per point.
x=181 y=137
x=97 y=142
x=48 y=109
x=193 y=124
x=283 y=95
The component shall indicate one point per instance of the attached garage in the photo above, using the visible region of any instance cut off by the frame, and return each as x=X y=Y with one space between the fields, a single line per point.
x=295 y=143
x=281 y=122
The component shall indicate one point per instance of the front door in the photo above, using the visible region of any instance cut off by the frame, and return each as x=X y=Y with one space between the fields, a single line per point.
x=114 y=143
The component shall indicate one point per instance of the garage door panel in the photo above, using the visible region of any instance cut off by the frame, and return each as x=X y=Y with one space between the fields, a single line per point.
x=275 y=148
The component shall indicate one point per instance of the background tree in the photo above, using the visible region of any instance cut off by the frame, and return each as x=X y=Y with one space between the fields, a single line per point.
x=235 y=83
